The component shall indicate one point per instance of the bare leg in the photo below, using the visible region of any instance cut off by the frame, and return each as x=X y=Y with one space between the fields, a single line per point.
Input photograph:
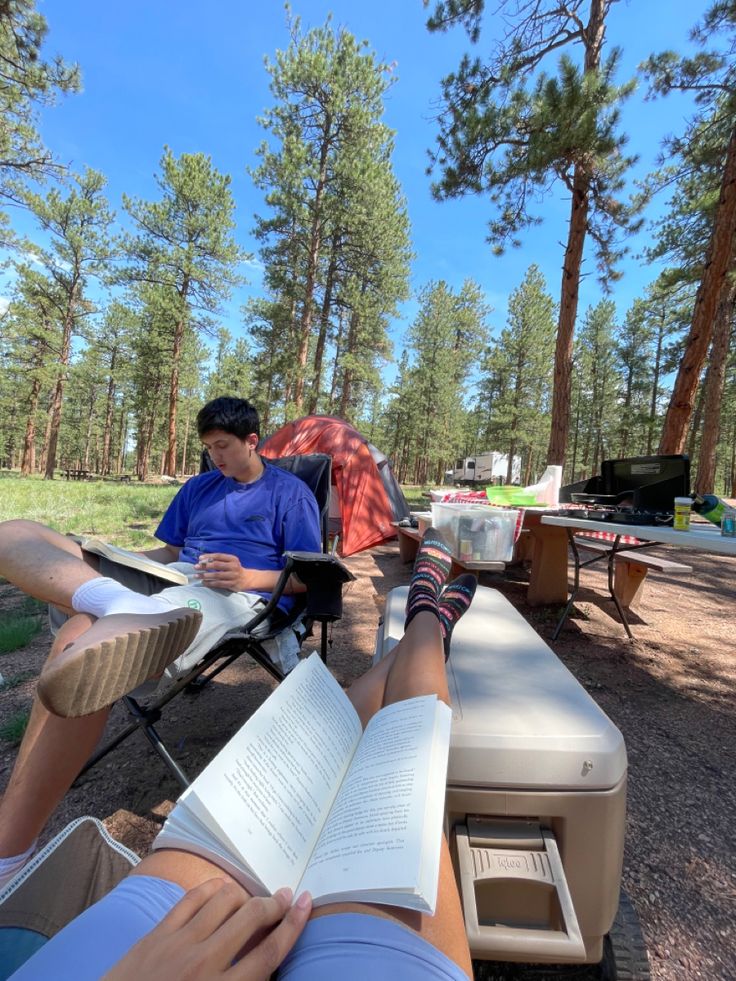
x=51 y=755
x=415 y=667
x=42 y=562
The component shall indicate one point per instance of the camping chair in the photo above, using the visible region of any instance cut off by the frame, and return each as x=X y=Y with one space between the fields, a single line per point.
x=72 y=872
x=321 y=573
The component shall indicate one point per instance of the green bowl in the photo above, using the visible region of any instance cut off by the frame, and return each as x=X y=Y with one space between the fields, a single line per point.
x=511 y=495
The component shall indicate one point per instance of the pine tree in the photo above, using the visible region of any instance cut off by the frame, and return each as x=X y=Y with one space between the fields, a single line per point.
x=81 y=248
x=185 y=246
x=517 y=374
x=711 y=76
x=335 y=244
x=427 y=413
x=26 y=82
x=510 y=127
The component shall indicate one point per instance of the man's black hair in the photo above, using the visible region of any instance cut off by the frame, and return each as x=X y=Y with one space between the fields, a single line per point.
x=236 y=416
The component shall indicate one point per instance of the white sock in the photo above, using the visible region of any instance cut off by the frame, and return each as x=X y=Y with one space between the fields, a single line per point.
x=103 y=596
x=14 y=863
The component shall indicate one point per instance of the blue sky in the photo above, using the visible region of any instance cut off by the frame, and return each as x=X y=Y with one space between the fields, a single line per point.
x=191 y=75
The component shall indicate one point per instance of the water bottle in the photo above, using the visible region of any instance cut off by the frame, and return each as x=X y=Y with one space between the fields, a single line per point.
x=709 y=506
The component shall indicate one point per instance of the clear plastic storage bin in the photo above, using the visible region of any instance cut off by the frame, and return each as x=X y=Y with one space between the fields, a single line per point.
x=477 y=533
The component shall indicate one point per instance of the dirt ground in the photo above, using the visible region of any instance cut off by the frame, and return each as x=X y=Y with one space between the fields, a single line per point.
x=671 y=692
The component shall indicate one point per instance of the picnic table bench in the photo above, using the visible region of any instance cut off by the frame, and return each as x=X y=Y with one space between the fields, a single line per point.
x=631 y=568
x=409 y=539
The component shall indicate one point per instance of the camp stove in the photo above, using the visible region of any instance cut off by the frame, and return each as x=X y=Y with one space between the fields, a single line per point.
x=620 y=515
x=638 y=490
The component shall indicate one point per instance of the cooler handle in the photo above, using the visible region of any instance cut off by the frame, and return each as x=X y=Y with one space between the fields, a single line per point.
x=538 y=866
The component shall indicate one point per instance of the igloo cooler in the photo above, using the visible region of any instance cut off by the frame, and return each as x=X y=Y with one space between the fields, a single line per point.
x=536 y=790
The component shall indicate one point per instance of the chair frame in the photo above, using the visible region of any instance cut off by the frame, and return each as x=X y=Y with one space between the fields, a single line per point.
x=322 y=573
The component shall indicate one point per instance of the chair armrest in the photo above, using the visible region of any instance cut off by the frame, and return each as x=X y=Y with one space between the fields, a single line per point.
x=324 y=576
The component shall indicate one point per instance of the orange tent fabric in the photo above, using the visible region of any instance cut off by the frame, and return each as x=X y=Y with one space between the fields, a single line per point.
x=365 y=510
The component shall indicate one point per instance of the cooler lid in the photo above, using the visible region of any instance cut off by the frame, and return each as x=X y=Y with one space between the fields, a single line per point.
x=521 y=720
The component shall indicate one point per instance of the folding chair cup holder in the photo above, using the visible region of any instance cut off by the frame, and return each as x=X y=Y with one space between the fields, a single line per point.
x=322 y=574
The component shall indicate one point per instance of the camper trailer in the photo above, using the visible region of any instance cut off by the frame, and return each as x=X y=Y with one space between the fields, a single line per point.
x=484 y=468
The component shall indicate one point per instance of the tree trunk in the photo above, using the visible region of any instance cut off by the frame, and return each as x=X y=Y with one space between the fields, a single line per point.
x=56 y=402
x=562 y=376
x=122 y=438
x=655 y=384
x=348 y=375
x=324 y=322
x=692 y=444
x=186 y=443
x=28 y=460
x=169 y=464
x=46 y=439
x=594 y=35
x=715 y=379
x=315 y=243
x=719 y=259
x=109 y=407
x=54 y=424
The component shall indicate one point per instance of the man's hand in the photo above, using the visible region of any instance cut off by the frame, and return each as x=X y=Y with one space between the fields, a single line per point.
x=223 y=571
x=211 y=926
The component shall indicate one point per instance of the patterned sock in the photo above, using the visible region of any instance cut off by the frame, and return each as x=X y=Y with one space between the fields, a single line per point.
x=455 y=599
x=431 y=569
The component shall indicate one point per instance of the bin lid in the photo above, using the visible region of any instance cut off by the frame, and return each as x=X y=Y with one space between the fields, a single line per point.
x=521 y=720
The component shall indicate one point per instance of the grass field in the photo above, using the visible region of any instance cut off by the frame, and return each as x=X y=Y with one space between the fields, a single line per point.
x=124 y=514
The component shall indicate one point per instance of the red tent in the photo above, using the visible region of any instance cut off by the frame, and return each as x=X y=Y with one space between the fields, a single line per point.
x=368 y=495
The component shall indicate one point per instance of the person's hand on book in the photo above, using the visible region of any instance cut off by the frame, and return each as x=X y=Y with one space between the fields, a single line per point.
x=215 y=923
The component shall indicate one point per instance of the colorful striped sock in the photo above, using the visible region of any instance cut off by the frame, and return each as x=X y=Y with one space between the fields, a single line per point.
x=431 y=568
x=455 y=599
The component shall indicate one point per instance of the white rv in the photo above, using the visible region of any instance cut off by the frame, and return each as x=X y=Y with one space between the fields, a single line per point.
x=483 y=468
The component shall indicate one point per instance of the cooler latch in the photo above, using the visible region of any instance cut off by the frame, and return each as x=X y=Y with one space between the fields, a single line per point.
x=515 y=896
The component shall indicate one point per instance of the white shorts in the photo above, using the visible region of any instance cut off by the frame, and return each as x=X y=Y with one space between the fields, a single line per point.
x=224 y=613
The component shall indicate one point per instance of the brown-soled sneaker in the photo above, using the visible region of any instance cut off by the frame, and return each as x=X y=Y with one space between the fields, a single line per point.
x=117 y=653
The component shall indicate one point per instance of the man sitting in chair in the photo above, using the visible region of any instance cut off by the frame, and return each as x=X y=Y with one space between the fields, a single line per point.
x=227 y=528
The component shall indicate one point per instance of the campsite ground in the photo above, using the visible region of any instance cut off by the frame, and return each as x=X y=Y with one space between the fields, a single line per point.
x=671 y=692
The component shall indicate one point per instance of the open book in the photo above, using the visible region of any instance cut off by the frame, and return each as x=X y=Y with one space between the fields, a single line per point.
x=123 y=557
x=301 y=797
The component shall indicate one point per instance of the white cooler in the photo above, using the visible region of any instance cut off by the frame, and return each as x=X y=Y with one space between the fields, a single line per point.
x=536 y=790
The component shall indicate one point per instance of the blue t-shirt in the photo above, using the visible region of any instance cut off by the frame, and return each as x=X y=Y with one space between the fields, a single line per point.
x=258 y=522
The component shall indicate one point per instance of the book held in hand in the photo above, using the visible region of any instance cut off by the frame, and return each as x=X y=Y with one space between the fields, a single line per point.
x=302 y=797
x=131 y=559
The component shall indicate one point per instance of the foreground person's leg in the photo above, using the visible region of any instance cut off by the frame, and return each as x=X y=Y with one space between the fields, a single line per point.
x=52 y=753
x=417 y=667
x=85 y=673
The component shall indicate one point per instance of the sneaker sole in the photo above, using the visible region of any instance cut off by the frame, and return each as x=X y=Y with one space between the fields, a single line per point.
x=117 y=653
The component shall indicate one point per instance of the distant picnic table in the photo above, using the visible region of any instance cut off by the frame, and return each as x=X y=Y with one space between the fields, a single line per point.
x=73 y=473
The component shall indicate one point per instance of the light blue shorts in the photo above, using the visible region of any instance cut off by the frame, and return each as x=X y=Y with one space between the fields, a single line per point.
x=331 y=948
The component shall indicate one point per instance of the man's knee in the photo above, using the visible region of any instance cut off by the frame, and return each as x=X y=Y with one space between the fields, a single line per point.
x=21 y=527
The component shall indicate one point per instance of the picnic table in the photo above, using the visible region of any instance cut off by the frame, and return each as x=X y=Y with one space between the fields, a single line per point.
x=706 y=538
x=75 y=473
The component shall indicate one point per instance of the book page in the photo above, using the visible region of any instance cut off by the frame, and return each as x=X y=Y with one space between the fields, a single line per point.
x=374 y=836
x=268 y=792
x=122 y=556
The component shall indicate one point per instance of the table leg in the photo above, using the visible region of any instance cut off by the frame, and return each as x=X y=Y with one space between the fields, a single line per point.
x=408 y=548
x=548 y=575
